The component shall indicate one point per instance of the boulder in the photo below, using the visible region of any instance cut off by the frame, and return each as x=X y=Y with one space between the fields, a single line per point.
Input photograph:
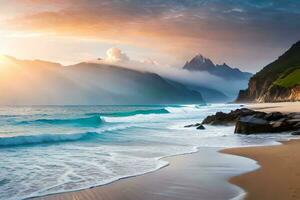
x=294 y=115
x=192 y=125
x=274 y=116
x=200 y=127
x=253 y=122
x=254 y=125
x=221 y=118
x=296 y=133
x=251 y=125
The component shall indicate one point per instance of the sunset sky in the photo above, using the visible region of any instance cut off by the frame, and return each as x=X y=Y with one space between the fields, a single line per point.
x=243 y=33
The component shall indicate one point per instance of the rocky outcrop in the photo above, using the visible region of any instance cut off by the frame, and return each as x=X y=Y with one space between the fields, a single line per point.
x=252 y=122
x=278 y=94
x=263 y=87
x=198 y=126
x=226 y=119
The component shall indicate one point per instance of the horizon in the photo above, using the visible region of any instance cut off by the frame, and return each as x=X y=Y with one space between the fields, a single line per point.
x=245 y=35
x=149 y=99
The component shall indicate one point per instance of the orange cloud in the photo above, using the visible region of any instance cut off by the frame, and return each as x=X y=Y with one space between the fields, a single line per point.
x=220 y=30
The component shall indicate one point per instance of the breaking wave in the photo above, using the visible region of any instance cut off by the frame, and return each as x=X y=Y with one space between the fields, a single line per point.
x=44 y=138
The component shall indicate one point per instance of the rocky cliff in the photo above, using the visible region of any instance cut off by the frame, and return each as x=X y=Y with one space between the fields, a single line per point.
x=278 y=81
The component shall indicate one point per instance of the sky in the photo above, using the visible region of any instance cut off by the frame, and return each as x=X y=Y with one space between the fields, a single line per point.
x=247 y=34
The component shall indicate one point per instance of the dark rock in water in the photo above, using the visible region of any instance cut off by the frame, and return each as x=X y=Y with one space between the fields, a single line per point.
x=294 y=115
x=250 y=124
x=253 y=122
x=200 y=127
x=274 y=116
x=296 y=133
x=192 y=125
x=297 y=125
x=231 y=118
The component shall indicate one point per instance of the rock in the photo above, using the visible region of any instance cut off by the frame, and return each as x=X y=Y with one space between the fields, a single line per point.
x=293 y=121
x=251 y=124
x=221 y=118
x=192 y=125
x=296 y=133
x=297 y=125
x=273 y=116
x=200 y=127
x=294 y=115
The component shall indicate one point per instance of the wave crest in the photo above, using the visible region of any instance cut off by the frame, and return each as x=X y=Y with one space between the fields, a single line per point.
x=93 y=121
x=44 y=138
x=132 y=113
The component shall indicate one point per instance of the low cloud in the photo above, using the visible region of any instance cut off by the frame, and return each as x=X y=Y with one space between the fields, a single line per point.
x=115 y=55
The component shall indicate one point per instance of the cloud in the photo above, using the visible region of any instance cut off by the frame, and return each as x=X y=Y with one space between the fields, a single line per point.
x=218 y=28
x=115 y=55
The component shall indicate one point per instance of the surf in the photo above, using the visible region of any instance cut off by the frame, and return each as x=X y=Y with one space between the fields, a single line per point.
x=132 y=113
x=45 y=138
x=93 y=121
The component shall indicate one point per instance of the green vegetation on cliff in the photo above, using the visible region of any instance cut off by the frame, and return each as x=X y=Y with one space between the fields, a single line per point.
x=290 y=79
x=289 y=60
x=276 y=81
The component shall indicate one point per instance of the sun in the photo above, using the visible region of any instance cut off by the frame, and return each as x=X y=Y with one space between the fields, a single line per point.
x=3 y=59
x=4 y=62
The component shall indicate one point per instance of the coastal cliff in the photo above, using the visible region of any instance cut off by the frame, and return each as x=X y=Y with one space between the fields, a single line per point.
x=278 y=81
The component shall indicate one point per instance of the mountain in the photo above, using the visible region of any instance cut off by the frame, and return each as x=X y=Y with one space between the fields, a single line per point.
x=201 y=64
x=41 y=82
x=278 y=81
x=210 y=95
x=217 y=83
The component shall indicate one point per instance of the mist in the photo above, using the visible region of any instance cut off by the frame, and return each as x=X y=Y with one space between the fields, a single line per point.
x=195 y=79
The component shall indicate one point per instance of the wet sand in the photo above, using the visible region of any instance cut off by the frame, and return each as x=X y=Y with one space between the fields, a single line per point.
x=279 y=175
x=201 y=175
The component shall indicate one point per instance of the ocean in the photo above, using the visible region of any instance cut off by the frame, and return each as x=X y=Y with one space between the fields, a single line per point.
x=53 y=149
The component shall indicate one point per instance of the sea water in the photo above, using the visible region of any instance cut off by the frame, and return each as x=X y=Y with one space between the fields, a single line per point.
x=52 y=149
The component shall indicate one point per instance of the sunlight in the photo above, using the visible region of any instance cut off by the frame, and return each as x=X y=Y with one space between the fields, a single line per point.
x=4 y=63
x=3 y=59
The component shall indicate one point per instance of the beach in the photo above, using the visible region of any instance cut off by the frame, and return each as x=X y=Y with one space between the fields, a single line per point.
x=264 y=172
x=192 y=176
x=279 y=174
x=283 y=107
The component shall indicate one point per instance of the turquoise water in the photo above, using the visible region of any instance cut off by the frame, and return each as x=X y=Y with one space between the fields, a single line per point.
x=51 y=149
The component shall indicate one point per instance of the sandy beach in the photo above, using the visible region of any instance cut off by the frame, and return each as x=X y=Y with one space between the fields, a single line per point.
x=284 y=107
x=279 y=175
x=201 y=175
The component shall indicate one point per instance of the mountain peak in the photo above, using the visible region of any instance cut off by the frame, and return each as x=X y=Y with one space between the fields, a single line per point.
x=201 y=63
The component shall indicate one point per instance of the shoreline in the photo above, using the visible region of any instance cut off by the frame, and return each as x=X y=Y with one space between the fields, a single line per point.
x=109 y=190
x=278 y=176
x=164 y=159
x=175 y=181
